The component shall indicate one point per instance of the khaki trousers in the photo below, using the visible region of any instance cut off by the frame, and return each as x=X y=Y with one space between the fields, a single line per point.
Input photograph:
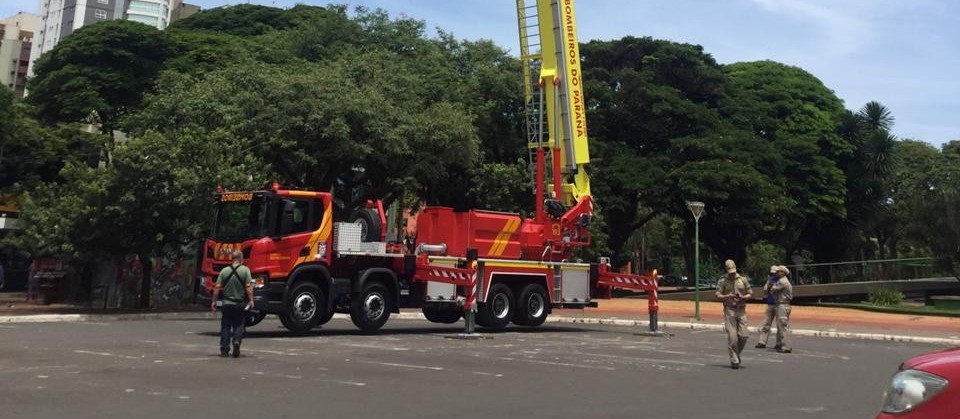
x=780 y=312
x=735 y=323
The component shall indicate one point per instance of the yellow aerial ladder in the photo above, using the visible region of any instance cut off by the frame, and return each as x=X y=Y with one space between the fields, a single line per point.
x=554 y=100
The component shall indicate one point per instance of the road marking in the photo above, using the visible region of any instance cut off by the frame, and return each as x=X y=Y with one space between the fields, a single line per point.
x=559 y=364
x=653 y=360
x=270 y=352
x=107 y=354
x=349 y=383
x=390 y=364
x=37 y=367
x=371 y=346
x=487 y=374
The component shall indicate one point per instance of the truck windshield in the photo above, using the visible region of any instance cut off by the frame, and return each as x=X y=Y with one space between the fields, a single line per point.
x=240 y=216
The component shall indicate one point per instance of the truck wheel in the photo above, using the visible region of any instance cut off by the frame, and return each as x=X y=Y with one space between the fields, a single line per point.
x=445 y=315
x=250 y=321
x=369 y=221
x=325 y=318
x=303 y=309
x=497 y=312
x=370 y=309
x=532 y=306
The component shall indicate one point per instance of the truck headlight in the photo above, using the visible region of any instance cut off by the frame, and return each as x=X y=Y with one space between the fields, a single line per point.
x=910 y=388
x=260 y=280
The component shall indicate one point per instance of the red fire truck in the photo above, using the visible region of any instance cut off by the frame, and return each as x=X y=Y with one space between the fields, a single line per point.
x=491 y=268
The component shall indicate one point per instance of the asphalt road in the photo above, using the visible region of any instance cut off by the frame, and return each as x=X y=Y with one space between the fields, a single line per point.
x=412 y=369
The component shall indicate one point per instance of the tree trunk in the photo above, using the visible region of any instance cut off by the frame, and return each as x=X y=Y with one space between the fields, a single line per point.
x=146 y=269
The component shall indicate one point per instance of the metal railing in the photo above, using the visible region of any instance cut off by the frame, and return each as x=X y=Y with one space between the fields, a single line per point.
x=866 y=270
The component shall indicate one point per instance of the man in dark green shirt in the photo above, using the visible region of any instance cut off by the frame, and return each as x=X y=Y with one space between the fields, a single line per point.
x=236 y=284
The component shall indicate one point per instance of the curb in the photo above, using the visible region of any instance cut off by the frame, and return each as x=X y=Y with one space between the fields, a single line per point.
x=70 y=318
x=798 y=332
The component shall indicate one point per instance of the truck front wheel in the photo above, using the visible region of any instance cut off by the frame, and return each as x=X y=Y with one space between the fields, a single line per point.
x=370 y=309
x=304 y=308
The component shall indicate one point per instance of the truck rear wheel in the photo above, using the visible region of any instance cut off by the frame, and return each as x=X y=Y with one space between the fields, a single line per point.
x=497 y=312
x=445 y=315
x=370 y=309
x=532 y=306
x=304 y=308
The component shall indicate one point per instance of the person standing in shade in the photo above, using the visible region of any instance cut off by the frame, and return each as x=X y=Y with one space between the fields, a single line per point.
x=734 y=291
x=236 y=284
x=779 y=293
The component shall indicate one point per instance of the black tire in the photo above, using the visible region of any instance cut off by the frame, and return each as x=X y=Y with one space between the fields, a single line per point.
x=370 y=308
x=325 y=318
x=370 y=226
x=533 y=306
x=303 y=308
x=445 y=315
x=497 y=312
x=253 y=319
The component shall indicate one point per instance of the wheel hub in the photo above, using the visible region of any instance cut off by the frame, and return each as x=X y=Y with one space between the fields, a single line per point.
x=304 y=306
x=501 y=306
x=535 y=305
x=374 y=306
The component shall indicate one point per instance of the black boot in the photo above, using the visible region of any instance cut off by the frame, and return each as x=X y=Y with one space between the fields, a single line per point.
x=236 y=349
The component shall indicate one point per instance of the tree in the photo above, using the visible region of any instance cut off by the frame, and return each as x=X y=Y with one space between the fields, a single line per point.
x=150 y=197
x=868 y=172
x=98 y=74
x=797 y=115
x=936 y=209
x=30 y=153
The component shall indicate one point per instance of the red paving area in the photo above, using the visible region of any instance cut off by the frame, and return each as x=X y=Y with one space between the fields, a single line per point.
x=801 y=317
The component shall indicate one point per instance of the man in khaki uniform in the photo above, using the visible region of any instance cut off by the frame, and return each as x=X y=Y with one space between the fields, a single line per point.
x=779 y=293
x=734 y=290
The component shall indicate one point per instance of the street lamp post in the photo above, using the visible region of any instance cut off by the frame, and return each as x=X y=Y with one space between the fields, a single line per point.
x=696 y=208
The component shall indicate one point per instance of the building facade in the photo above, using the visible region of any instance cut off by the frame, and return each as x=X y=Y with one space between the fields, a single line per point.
x=59 y=18
x=16 y=40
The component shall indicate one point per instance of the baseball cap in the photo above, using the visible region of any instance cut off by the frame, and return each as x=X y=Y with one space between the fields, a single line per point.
x=784 y=269
x=729 y=266
x=773 y=269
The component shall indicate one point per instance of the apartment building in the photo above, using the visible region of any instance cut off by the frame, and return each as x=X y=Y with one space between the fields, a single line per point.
x=59 y=18
x=16 y=40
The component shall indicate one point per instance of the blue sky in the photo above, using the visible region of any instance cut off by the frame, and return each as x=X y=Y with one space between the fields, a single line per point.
x=902 y=53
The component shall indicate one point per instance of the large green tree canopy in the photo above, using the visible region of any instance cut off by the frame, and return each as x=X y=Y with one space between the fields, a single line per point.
x=370 y=106
x=98 y=73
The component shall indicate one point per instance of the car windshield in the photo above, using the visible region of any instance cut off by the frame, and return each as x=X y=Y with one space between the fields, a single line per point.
x=240 y=216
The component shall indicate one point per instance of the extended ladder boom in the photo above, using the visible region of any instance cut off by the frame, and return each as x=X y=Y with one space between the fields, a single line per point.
x=553 y=92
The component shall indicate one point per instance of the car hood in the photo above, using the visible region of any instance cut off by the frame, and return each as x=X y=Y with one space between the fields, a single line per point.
x=944 y=363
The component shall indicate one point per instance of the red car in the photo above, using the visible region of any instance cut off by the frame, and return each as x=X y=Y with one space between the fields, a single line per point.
x=926 y=386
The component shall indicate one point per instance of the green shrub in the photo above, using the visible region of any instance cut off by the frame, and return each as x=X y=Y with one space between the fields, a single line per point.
x=885 y=297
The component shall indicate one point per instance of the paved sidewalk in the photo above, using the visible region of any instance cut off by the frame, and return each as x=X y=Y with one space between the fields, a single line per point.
x=673 y=315
x=804 y=320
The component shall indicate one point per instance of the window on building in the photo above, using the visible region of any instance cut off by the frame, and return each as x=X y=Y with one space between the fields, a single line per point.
x=103 y=1
x=100 y=14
